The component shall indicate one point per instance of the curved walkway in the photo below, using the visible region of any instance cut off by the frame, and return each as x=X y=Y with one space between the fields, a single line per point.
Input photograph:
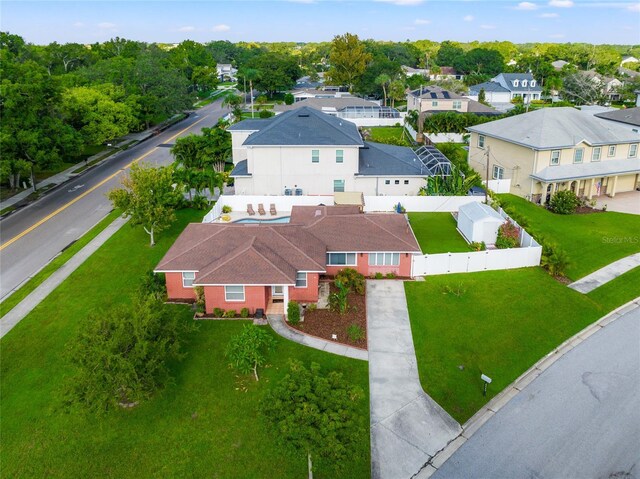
x=280 y=326
x=407 y=427
x=606 y=274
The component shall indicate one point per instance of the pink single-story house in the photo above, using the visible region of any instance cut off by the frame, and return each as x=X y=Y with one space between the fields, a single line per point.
x=256 y=265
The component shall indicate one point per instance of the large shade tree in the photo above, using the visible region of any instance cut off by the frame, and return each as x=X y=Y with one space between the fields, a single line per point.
x=348 y=59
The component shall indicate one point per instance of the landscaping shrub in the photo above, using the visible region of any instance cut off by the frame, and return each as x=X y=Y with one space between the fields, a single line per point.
x=355 y=333
x=244 y=313
x=554 y=260
x=378 y=275
x=248 y=350
x=352 y=280
x=312 y=307
x=227 y=209
x=154 y=284
x=293 y=312
x=508 y=236
x=230 y=313
x=288 y=99
x=200 y=202
x=476 y=246
x=390 y=275
x=218 y=312
x=265 y=114
x=564 y=202
x=338 y=302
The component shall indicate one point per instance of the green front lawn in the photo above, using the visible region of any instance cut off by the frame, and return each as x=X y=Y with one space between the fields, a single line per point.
x=437 y=233
x=497 y=323
x=590 y=240
x=204 y=425
x=393 y=135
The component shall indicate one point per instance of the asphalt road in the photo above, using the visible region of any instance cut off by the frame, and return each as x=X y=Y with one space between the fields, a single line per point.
x=579 y=419
x=30 y=237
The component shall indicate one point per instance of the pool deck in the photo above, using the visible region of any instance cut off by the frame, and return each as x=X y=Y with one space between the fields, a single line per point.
x=236 y=216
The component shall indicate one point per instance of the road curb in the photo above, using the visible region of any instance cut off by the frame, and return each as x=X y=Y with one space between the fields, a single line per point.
x=498 y=402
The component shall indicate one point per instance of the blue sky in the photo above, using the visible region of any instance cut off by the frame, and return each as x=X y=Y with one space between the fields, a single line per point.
x=319 y=20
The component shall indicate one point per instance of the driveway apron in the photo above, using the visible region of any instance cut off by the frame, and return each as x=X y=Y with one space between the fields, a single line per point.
x=407 y=427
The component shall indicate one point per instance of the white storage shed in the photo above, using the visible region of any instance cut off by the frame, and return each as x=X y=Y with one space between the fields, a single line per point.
x=479 y=222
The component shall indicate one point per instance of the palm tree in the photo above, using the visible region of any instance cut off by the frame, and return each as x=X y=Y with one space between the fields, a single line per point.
x=383 y=80
x=251 y=74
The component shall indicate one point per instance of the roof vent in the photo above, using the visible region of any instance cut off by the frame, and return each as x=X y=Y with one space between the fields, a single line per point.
x=303 y=115
x=318 y=213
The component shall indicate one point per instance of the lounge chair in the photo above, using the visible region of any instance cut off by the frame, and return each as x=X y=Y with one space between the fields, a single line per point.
x=250 y=210
x=261 y=209
x=272 y=209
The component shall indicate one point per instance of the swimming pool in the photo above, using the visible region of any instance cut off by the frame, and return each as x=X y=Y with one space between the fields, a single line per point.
x=282 y=219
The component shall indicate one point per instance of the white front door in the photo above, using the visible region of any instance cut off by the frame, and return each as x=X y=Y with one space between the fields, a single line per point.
x=277 y=291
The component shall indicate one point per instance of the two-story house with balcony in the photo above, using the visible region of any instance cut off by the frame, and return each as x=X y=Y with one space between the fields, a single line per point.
x=307 y=152
x=434 y=99
x=554 y=149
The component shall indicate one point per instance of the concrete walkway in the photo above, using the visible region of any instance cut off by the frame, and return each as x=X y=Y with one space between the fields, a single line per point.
x=606 y=274
x=279 y=326
x=28 y=304
x=407 y=427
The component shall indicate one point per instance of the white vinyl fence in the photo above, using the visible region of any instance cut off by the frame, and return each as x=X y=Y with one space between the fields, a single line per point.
x=283 y=203
x=500 y=186
x=528 y=254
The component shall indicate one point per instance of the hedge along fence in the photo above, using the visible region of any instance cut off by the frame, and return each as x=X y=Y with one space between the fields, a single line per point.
x=528 y=254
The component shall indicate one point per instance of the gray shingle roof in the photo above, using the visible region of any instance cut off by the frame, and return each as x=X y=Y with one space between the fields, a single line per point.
x=550 y=128
x=306 y=126
x=331 y=103
x=510 y=77
x=480 y=109
x=253 y=124
x=436 y=93
x=487 y=86
x=630 y=116
x=241 y=169
x=588 y=170
x=377 y=159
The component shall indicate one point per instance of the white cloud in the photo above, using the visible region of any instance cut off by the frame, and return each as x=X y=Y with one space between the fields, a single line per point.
x=634 y=8
x=556 y=35
x=487 y=27
x=468 y=18
x=561 y=3
x=549 y=15
x=106 y=25
x=403 y=3
x=187 y=28
x=527 y=6
x=221 y=28
x=421 y=21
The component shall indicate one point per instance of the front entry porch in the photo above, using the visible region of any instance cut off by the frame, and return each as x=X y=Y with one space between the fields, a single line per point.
x=588 y=188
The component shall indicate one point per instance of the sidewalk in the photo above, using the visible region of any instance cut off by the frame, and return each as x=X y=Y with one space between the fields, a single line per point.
x=28 y=304
x=606 y=274
x=67 y=174
x=408 y=428
x=279 y=326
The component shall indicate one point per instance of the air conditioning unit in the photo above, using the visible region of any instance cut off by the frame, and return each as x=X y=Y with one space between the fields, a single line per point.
x=287 y=192
x=298 y=191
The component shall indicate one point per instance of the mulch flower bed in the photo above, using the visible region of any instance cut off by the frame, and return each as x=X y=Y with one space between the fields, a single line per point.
x=587 y=210
x=324 y=322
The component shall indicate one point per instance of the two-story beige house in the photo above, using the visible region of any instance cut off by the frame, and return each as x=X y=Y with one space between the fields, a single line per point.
x=434 y=99
x=554 y=149
x=307 y=152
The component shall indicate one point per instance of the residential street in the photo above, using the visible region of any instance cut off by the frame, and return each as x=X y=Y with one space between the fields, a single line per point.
x=579 y=419
x=65 y=214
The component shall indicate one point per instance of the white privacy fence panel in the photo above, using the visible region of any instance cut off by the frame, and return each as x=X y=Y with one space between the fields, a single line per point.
x=500 y=186
x=419 y=203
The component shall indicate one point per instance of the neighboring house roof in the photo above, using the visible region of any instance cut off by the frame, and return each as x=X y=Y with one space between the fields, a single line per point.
x=377 y=159
x=251 y=124
x=627 y=72
x=414 y=71
x=436 y=93
x=306 y=127
x=488 y=86
x=562 y=127
x=629 y=59
x=271 y=254
x=629 y=116
x=510 y=78
x=320 y=92
x=592 y=169
x=327 y=104
x=448 y=71
x=558 y=64
x=477 y=212
x=480 y=109
x=241 y=169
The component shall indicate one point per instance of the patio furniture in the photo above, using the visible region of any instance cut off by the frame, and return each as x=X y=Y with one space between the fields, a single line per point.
x=272 y=209
x=261 y=209
x=250 y=210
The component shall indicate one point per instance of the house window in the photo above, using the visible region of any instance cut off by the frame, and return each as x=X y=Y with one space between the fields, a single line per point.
x=434 y=103
x=341 y=259
x=595 y=153
x=338 y=186
x=524 y=83
x=516 y=82
x=498 y=172
x=384 y=259
x=457 y=104
x=633 y=151
x=234 y=293
x=387 y=182
x=406 y=182
x=339 y=156
x=397 y=182
x=187 y=279
x=301 y=279
x=578 y=154
x=533 y=84
x=315 y=156
x=555 y=157
x=612 y=150
x=480 y=141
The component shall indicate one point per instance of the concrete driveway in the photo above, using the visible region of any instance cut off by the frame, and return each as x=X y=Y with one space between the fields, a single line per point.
x=407 y=426
x=579 y=419
x=622 y=203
